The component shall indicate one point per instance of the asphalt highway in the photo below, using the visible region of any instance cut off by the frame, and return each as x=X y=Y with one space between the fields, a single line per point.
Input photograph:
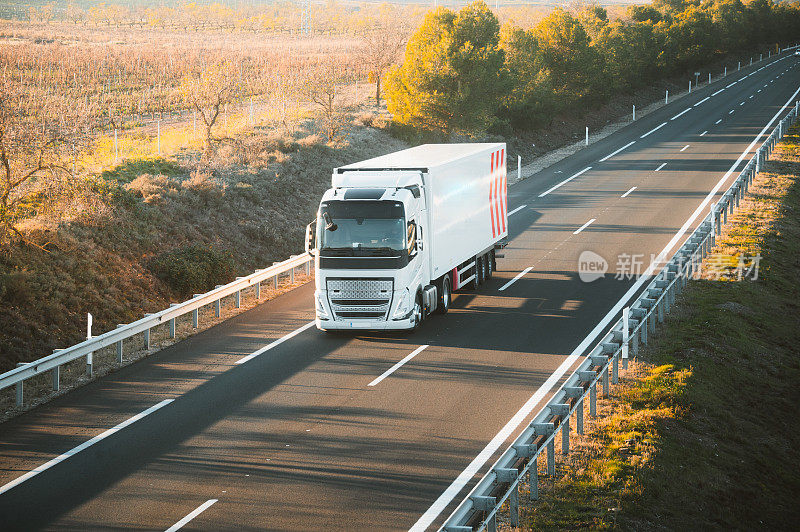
x=368 y=432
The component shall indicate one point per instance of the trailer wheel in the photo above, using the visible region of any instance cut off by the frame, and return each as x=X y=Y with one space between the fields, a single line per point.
x=477 y=271
x=445 y=295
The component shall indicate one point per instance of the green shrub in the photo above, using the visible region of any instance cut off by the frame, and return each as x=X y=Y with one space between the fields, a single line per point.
x=194 y=268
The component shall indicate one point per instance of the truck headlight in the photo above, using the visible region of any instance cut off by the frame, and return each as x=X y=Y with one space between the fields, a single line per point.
x=321 y=312
x=403 y=309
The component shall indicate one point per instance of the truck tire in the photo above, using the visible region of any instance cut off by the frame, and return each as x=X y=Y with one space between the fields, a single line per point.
x=477 y=278
x=419 y=312
x=445 y=289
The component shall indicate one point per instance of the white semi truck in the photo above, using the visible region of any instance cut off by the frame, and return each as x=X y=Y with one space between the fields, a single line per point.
x=397 y=234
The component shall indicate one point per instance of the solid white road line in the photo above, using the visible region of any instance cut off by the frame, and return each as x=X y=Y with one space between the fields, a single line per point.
x=197 y=511
x=515 y=279
x=517 y=209
x=75 y=450
x=681 y=113
x=631 y=143
x=703 y=100
x=584 y=226
x=567 y=180
x=275 y=343
x=465 y=476
x=731 y=85
x=628 y=192
x=685 y=147
x=394 y=368
x=653 y=130
x=718 y=121
x=704 y=132
x=744 y=78
x=660 y=167
x=717 y=92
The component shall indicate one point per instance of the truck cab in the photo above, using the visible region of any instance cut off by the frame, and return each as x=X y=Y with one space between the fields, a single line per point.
x=369 y=252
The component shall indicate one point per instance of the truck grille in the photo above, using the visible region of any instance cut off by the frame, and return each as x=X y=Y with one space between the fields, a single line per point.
x=360 y=298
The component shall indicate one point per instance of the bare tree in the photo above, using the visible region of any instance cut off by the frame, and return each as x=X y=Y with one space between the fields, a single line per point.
x=323 y=89
x=35 y=144
x=208 y=91
x=382 y=48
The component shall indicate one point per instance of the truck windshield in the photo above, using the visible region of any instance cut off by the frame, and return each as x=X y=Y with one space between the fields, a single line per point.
x=361 y=228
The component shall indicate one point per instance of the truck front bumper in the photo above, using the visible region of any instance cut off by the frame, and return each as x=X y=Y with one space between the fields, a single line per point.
x=364 y=325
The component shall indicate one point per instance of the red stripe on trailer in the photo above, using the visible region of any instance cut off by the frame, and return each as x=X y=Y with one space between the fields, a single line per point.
x=491 y=204
x=503 y=204
x=496 y=179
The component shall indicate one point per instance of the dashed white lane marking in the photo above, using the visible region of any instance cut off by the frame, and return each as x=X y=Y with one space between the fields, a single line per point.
x=703 y=100
x=584 y=226
x=751 y=96
x=660 y=167
x=685 y=147
x=653 y=130
x=703 y=133
x=717 y=92
x=85 y=445
x=197 y=511
x=681 y=113
x=515 y=279
x=567 y=180
x=718 y=121
x=741 y=103
x=730 y=85
x=610 y=155
x=744 y=78
x=628 y=192
x=275 y=343
x=517 y=209
x=759 y=90
x=730 y=112
x=394 y=368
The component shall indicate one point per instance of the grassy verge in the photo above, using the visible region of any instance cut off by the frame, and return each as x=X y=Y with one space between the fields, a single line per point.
x=704 y=432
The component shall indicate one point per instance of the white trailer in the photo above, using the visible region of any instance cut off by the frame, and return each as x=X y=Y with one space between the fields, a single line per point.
x=395 y=235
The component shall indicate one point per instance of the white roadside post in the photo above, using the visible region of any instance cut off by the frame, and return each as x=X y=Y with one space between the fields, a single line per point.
x=89 y=356
x=726 y=71
x=739 y=67
x=709 y=78
x=634 y=113
x=587 y=135
x=626 y=335
x=690 y=86
x=519 y=176
x=666 y=98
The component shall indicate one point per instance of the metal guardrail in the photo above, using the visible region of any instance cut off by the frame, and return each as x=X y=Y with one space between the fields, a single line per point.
x=478 y=510
x=143 y=326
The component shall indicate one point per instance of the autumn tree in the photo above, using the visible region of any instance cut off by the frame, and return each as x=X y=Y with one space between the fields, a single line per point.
x=324 y=90
x=453 y=76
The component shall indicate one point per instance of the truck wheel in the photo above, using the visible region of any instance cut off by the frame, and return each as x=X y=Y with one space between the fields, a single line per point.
x=477 y=280
x=418 y=313
x=445 y=295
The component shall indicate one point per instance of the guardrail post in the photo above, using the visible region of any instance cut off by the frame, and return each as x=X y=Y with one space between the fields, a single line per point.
x=547 y=429
x=510 y=476
x=119 y=346
x=238 y=303
x=258 y=290
x=562 y=411
x=20 y=387
x=147 y=339
x=593 y=400
x=291 y=275
x=308 y=263
x=56 y=378
x=533 y=479
x=486 y=504
x=576 y=392
x=615 y=370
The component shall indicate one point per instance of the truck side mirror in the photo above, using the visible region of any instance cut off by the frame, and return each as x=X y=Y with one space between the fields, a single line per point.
x=412 y=239
x=311 y=230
